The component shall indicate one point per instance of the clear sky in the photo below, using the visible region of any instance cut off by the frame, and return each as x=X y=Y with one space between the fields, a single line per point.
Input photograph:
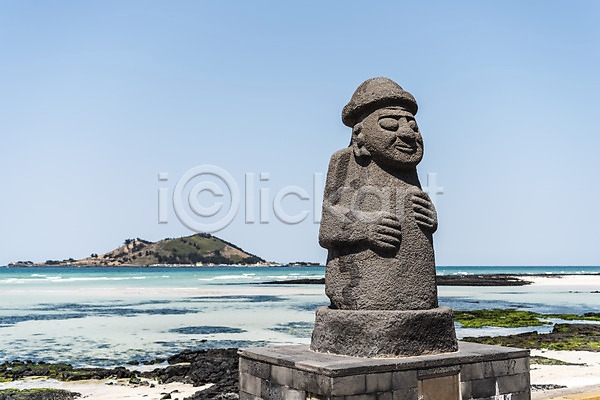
x=99 y=97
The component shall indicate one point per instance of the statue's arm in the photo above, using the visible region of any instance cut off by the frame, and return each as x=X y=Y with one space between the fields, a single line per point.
x=343 y=227
x=338 y=225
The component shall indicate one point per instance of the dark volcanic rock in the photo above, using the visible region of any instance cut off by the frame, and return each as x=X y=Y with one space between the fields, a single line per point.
x=441 y=280
x=584 y=337
x=37 y=394
x=199 y=367
x=549 y=386
x=304 y=281
x=216 y=366
x=63 y=372
x=481 y=280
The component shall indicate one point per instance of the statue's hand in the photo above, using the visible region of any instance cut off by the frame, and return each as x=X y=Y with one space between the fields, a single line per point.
x=384 y=233
x=424 y=211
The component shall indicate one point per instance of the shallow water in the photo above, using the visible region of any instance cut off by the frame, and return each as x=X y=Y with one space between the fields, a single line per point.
x=106 y=317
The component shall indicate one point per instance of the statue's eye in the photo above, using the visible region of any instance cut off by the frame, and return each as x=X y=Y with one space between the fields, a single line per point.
x=413 y=125
x=390 y=124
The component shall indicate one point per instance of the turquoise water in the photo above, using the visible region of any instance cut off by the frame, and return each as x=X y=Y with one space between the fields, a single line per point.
x=155 y=277
x=109 y=316
x=456 y=270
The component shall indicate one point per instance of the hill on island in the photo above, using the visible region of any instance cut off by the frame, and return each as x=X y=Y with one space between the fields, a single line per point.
x=201 y=248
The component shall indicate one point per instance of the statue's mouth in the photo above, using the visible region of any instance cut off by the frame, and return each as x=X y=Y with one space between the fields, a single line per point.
x=405 y=148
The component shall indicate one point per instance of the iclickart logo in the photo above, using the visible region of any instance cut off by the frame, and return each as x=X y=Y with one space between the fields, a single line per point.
x=207 y=198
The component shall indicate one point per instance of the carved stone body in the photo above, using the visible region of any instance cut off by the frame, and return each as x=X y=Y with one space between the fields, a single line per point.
x=359 y=277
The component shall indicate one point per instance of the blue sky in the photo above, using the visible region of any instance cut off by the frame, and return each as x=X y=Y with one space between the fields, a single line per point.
x=99 y=97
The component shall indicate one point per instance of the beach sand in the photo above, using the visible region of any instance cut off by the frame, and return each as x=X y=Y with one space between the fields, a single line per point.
x=567 y=375
x=102 y=390
x=568 y=281
x=572 y=376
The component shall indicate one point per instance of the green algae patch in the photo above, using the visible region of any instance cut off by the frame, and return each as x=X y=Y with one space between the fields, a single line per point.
x=10 y=371
x=505 y=318
x=539 y=360
x=584 y=337
x=37 y=394
x=298 y=329
x=590 y=316
x=512 y=318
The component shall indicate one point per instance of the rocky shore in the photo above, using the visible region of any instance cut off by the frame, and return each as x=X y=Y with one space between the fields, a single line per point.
x=442 y=280
x=218 y=367
x=37 y=394
x=199 y=367
x=581 y=337
x=216 y=370
x=10 y=371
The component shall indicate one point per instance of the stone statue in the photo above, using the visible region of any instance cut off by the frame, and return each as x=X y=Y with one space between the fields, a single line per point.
x=377 y=222
x=377 y=225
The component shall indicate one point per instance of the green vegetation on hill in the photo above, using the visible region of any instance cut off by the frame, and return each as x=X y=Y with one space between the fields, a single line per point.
x=195 y=249
x=200 y=248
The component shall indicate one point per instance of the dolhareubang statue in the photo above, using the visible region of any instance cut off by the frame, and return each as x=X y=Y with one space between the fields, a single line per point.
x=377 y=225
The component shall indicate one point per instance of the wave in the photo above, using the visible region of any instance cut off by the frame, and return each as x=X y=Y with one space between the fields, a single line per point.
x=295 y=276
x=99 y=278
x=59 y=279
x=227 y=277
x=531 y=270
x=259 y=277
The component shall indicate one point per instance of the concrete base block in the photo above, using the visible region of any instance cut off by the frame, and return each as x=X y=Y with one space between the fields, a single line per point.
x=475 y=371
x=384 y=333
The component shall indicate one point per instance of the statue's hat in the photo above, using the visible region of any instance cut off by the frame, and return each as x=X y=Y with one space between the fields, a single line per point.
x=376 y=93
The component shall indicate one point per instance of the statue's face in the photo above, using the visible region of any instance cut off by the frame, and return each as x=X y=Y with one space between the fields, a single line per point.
x=392 y=137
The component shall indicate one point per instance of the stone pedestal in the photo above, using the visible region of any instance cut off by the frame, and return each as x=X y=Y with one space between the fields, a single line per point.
x=475 y=371
x=384 y=333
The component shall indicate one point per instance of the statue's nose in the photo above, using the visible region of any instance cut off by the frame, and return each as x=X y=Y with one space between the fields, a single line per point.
x=406 y=133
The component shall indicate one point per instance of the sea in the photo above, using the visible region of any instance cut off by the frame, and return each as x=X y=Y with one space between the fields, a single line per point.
x=106 y=317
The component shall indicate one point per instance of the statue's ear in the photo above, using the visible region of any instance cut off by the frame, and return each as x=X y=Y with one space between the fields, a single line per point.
x=358 y=142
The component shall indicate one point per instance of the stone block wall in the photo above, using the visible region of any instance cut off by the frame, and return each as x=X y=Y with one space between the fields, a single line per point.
x=498 y=380
x=466 y=378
